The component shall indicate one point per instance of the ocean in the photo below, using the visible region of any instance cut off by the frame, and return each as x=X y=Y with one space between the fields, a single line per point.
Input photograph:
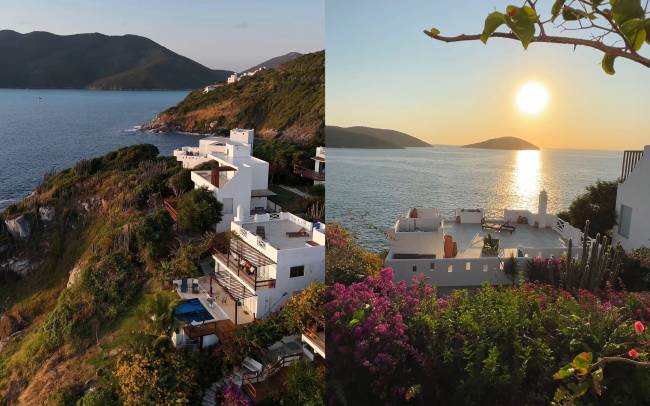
x=41 y=130
x=368 y=189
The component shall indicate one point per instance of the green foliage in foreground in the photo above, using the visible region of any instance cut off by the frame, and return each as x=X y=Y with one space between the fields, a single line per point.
x=391 y=343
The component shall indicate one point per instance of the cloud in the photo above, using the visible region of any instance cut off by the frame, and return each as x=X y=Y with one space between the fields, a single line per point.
x=241 y=26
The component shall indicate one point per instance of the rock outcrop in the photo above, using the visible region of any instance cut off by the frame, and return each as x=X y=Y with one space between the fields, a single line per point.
x=19 y=227
x=46 y=213
x=10 y=324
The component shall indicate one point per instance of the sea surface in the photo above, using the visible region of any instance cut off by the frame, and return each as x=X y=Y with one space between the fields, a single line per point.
x=41 y=130
x=368 y=189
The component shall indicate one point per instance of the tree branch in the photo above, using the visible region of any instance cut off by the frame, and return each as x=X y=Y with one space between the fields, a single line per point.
x=618 y=52
x=609 y=360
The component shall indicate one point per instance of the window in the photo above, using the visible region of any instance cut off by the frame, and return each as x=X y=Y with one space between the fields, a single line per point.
x=415 y=268
x=433 y=266
x=468 y=266
x=227 y=205
x=296 y=271
x=626 y=221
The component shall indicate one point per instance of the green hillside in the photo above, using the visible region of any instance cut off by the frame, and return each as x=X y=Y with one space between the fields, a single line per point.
x=96 y=61
x=287 y=102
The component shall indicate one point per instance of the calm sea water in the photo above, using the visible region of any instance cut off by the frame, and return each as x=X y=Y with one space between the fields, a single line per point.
x=368 y=189
x=45 y=129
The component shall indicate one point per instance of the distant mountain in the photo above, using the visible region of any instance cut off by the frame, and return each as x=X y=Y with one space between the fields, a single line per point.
x=366 y=137
x=275 y=62
x=96 y=61
x=510 y=143
x=287 y=102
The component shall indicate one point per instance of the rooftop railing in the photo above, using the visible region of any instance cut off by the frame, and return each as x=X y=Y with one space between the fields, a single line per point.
x=630 y=159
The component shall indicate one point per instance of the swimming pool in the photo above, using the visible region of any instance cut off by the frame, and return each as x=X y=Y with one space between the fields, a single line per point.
x=192 y=310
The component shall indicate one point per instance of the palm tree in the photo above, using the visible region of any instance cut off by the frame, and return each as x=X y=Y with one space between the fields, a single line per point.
x=159 y=313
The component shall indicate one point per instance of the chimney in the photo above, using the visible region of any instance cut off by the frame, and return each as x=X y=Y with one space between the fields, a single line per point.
x=215 y=175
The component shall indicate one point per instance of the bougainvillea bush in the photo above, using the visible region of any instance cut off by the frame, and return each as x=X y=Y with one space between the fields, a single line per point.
x=397 y=343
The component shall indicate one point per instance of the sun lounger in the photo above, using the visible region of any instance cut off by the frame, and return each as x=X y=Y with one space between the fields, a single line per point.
x=300 y=233
x=490 y=226
x=508 y=227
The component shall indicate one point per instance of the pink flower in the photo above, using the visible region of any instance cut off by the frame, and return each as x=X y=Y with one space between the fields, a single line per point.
x=633 y=353
x=639 y=327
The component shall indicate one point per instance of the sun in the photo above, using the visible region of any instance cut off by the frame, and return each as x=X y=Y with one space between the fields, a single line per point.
x=532 y=98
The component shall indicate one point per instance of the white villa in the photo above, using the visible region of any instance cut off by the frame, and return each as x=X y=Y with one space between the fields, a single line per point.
x=633 y=201
x=447 y=246
x=318 y=173
x=269 y=256
x=233 y=78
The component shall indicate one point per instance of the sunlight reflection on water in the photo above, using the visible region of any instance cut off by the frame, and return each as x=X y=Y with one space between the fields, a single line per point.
x=368 y=189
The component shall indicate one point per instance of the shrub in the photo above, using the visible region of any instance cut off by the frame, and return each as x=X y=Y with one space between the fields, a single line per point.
x=346 y=261
x=598 y=205
x=154 y=233
x=305 y=385
x=159 y=375
x=198 y=211
x=393 y=342
x=181 y=182
x=99 y=397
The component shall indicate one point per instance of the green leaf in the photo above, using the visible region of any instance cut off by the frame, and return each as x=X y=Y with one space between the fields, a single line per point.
x=634 y=31
x=557 y=7
x=573 y=14
x=493 y=21
x=608 y=64
x=582 y=362
x=434 y=32
x=646 y=25
x=564 y=372
x=623 y=10
x=521 y=24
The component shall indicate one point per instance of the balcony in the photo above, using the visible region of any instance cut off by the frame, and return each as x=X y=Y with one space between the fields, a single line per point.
x=247 y=263
x=309 y=173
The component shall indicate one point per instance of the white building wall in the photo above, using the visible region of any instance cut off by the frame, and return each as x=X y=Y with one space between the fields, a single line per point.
x=450 y=272
x=635 y=193
x=418 y=242
x=312 y=258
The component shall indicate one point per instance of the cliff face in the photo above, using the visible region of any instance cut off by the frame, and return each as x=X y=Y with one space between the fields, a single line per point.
x=287 y=103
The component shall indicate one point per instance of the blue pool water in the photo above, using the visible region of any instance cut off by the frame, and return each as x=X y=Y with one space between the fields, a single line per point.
x=192 y=310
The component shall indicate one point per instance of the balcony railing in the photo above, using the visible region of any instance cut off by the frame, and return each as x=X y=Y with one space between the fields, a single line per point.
x=242 y=268
x=309 y=173
x=630 y=159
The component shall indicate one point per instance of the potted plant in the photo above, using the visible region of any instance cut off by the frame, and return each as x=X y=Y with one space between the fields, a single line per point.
x=490 y=246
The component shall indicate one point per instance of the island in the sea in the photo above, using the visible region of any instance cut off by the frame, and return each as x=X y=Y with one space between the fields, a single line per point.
x=509 y=143
x=370 y=138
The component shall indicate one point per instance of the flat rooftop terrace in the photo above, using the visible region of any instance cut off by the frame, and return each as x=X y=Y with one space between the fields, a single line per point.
x=281 y=234
x=469 y=238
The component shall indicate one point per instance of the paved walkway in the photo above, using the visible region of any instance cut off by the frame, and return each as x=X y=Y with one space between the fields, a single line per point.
x=295 y=191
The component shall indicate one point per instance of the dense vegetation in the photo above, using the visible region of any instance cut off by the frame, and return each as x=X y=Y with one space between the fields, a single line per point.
x=89 y=303
x=288 y=101
x=598 y=205
x=96 y=61
x=395 y=343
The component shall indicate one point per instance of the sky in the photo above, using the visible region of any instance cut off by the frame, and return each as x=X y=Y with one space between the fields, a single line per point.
x=383 y=72
x=220 y=34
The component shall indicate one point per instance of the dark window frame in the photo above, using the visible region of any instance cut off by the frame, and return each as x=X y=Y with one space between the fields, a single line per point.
x=297 y=271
